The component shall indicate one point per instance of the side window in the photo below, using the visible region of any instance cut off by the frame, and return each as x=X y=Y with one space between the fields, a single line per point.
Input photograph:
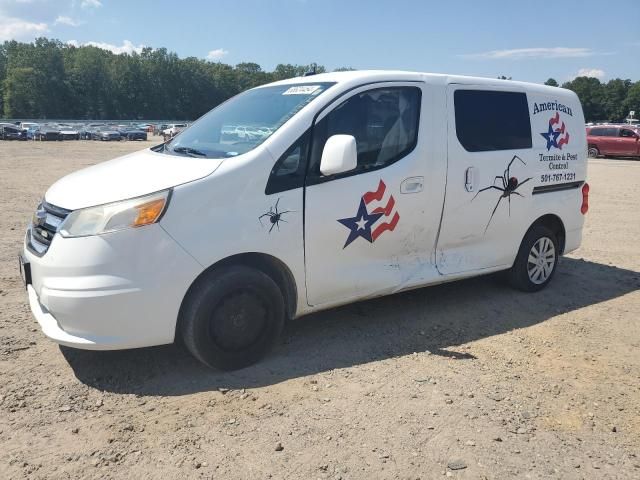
x=289 y=171
x=609 y=132
x=596 y=132
x=488 y=120
x=384 y=122
x=627 y=133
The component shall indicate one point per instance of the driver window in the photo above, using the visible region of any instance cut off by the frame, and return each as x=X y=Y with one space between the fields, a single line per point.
x=384 y=122
x=627 y=133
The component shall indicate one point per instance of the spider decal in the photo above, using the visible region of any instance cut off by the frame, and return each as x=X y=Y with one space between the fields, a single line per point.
x=509 y=186
x=275 y=216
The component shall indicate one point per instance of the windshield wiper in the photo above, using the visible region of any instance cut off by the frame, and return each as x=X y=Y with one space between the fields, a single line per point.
x=192 y=152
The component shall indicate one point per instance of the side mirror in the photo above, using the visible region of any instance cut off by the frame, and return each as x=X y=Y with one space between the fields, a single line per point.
x=339 y=155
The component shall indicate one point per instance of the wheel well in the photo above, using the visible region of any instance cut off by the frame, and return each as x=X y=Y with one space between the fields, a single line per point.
x=268 y=265
x=553 y=223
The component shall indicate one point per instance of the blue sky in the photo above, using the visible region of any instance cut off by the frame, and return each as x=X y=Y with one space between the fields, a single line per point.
x=528 y=41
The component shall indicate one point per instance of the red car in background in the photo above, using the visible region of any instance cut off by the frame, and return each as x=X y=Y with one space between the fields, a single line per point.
x=613 y=140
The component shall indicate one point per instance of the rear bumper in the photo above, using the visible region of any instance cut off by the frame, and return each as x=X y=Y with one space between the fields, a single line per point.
x=110 y=292
x=573 y=240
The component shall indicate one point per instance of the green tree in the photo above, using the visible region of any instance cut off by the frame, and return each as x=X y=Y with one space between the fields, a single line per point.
x=632 y=102
x=591 y=94
x=615 y=94
x=551 y=82
x=18 y=99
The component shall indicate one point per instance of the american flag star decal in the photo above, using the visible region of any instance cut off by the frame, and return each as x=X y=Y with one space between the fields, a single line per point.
x=376 y=214
x=557 y=135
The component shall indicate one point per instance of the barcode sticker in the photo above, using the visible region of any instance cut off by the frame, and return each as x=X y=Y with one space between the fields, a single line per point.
x=301 y=90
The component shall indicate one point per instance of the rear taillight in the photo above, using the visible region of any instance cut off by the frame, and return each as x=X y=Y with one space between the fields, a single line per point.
x=585 y=199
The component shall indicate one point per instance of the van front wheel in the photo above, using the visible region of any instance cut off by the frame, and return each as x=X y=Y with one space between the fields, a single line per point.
x=232 y=317
x=537 y=260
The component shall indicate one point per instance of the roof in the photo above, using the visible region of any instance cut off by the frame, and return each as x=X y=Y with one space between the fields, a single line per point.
x=366 y=76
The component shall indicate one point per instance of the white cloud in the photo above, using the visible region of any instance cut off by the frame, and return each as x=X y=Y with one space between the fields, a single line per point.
x=90 y=3
x=590 y=72
x=126 y=47
x=528 y=53
x=62 y=20
x=18 y=29
x=217 y=54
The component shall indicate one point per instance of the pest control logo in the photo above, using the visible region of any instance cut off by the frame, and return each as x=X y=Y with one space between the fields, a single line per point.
x=373 y=218
x=557 y=134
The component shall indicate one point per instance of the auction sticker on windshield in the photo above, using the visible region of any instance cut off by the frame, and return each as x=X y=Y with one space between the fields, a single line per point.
x=302 y=90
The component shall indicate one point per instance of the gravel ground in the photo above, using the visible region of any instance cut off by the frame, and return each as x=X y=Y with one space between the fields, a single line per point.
x=470 y=380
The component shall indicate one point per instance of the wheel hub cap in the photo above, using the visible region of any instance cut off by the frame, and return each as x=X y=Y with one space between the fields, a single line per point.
x=542 y=260
x=238 y=321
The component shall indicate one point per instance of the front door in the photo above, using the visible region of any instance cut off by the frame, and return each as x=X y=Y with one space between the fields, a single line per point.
x=629 y=142
x=363 y=228
x=488 y=184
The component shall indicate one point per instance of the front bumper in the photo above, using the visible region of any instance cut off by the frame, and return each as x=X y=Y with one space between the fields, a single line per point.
x=109 y=292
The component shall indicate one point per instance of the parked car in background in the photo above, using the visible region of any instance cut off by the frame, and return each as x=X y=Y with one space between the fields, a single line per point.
x=613 y=140
x=47 y=133
x=9 y=131
x=85 y=132
x=106 y=135
x=133 y=134
x=31 y=132
x=28 y=125
x=69 y=133
x=173 y=130
x=157 y=129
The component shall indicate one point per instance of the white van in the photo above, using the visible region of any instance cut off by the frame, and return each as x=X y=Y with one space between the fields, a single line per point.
x=368 y=183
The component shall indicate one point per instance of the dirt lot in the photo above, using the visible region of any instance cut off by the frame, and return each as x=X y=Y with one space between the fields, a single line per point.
x=470 y=380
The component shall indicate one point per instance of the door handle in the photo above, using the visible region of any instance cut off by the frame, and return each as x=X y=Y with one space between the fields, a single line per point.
x=469 y=179
x=412 y=185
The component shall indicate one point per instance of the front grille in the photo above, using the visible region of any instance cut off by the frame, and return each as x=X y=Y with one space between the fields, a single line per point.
x=45 y=224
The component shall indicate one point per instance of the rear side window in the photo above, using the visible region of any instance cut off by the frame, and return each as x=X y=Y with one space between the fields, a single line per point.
x=488 y=120
x=604 y=132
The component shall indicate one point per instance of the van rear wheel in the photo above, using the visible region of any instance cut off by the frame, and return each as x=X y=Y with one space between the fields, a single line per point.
x=232 y=317
x=593 y=152
x=536 y=261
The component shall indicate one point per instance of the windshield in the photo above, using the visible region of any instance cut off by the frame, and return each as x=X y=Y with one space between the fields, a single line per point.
x=243 y=122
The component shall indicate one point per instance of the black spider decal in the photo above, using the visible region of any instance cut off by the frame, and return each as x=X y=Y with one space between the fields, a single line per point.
x=509 y=186
x=275 y=217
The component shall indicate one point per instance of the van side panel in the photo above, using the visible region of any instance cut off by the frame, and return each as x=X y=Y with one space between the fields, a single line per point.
x=560 y=153
x=483 y=225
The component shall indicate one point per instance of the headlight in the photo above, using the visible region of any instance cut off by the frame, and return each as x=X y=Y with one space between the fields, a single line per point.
x=111 y=217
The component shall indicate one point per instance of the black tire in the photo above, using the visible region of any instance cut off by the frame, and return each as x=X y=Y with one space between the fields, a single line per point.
x=531 y=276
x=232 y=317
x=593 y=151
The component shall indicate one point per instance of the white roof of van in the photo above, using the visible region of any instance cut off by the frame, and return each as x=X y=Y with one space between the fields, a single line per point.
x=366 y=76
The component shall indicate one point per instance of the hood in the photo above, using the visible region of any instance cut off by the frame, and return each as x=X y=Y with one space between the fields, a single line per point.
x=126 y=177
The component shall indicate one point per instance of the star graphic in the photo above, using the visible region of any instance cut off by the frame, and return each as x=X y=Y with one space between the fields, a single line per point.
x=551 y=137
x=360 y=225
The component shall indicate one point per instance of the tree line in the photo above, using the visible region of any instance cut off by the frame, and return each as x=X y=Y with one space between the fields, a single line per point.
x=611 y=101
x=51 y=79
